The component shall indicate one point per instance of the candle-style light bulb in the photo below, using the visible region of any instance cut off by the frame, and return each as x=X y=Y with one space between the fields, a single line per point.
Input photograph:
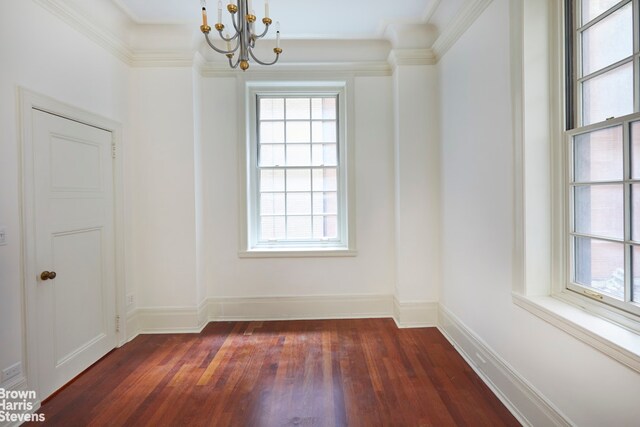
x=266 y=8
x=278 y=34
x=204 y=12
x=226 y=35
x=251 y=24
x=219 y=11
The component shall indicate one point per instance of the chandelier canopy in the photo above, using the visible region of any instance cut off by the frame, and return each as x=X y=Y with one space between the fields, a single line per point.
x=243 y=18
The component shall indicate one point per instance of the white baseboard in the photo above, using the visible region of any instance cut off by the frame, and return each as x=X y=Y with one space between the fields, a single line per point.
x=190 y=319
x=301 y=308
x=132 y=326
x=526 y=403
x=415 y=314
x=167 y=320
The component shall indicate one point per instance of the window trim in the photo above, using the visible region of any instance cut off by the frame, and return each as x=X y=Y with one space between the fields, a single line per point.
x=249 y=246
x=539 y=99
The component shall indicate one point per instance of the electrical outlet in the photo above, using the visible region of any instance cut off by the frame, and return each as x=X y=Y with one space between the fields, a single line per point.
x=130 y=299
x=3 y=236
x=11 y=372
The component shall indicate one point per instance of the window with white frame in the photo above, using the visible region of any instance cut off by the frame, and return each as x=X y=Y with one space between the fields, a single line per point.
x=297 y=190
x=603 y=151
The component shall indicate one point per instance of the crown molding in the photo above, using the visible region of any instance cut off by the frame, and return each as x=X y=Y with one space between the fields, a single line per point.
x=359 y=69
x=103 y=37
x=458 y=26
x=398 y=57
x=162 y=58
x=184 y=58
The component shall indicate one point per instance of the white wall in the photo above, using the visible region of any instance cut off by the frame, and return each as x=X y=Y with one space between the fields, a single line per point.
x=370 y=273
x=417 y=183
x=44 y=55
x=163 y=187
x=477 y=216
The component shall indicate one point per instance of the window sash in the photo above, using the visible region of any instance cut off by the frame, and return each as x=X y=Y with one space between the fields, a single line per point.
x=574 y=64
x=626 y=181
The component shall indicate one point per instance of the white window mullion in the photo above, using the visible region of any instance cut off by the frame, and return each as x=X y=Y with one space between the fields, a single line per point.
x=628 y=273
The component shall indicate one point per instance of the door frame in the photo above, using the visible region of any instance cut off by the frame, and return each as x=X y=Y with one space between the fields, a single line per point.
x=29 y=101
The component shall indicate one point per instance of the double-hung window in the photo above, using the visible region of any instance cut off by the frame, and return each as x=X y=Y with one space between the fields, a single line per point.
x=603 y=151
x=297 y=157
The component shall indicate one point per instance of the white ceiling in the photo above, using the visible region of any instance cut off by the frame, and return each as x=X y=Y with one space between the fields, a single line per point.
x=304 y=19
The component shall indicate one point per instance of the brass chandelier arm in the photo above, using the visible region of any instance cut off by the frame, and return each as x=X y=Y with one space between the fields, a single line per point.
x=231 y=64
x=230 y=39
x=265 y=63
x=264 y=33
x=224 y=52
x=239 y=25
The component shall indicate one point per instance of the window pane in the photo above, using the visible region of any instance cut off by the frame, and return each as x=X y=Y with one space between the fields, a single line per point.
x=272 y=228
x=299 y=155
x=298 y=108
x=324 y=131
x=325 y=203
x=635 y=212
x=608 y=41
x=635 y=274
x=299 y=227
x=325 y=155
x=299 y=180
x=635 y=150
x=599 y=210
x=323 y=108
x=594 y=8
x=272 y=204
x=598 y=155
x=298 y=203
x=272 y=155
x=271 y=132
x=272 y=108
x=331 y=227
x=325 y=180
x=600 y=265
x=298 y=132
x=608 y=95
x=271 y=180
x=325 y=227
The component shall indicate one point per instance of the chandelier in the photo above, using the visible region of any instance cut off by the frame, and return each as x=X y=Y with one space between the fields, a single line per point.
x=243 y=18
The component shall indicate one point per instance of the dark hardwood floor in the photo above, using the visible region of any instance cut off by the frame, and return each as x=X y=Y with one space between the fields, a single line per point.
x=284 y=373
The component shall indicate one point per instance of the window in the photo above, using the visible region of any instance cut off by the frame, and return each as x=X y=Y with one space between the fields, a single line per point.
x=297 y=156
x=603 y=161
x=544 y=270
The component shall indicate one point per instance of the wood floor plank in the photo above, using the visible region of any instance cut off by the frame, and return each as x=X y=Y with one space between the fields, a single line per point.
x=282 y=373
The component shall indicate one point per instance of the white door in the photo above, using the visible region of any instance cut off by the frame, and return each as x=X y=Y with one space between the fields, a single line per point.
x=74 y=231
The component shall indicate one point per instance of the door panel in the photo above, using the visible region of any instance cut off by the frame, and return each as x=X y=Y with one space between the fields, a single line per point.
x=75 y=239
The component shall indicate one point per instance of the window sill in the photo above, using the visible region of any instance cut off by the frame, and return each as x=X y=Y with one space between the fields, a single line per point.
x=613 y=340
x=297 y=253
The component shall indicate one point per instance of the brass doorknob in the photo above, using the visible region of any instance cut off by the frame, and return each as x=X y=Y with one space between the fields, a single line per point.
x=46 y=275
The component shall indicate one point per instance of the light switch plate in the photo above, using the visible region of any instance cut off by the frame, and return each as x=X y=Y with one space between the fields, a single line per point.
x=3 y=236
